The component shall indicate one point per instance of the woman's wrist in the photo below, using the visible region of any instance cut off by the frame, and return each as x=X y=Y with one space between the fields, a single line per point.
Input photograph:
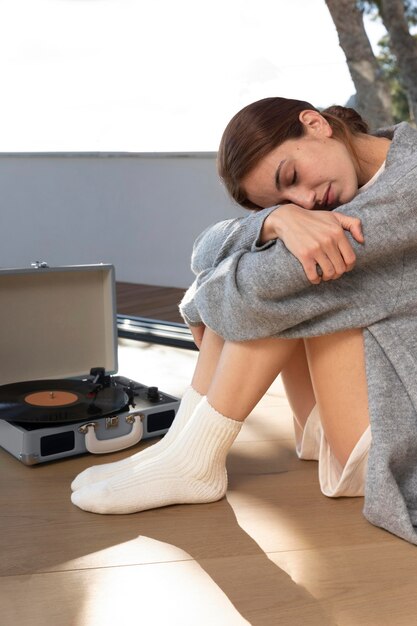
x=273 y=224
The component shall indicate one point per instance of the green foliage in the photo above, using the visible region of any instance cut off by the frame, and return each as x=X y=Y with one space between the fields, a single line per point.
x=386 y=58
x=400 y=105
x=372 y=8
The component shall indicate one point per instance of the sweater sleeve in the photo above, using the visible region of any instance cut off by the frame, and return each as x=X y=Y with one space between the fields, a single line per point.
x=258 y=293
x=216 y=243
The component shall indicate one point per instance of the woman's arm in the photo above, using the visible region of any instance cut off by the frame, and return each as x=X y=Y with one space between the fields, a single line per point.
x=216 y=243
x=313 y=237
x=254 y=294
x=223 y=238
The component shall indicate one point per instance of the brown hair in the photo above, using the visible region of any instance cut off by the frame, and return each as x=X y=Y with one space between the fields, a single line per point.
x=262 y=126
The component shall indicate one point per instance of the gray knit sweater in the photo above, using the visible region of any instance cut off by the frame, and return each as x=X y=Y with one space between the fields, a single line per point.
x=244 y=292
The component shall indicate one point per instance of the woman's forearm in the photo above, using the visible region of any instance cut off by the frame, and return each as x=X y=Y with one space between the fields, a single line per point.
x=254 y=294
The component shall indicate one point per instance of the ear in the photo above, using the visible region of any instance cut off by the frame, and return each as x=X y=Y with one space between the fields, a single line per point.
x=315 y=124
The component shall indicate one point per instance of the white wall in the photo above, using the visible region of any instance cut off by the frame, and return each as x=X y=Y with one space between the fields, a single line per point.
x=140 y=212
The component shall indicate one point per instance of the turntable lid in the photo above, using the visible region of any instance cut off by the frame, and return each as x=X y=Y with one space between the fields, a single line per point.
x=57 y=322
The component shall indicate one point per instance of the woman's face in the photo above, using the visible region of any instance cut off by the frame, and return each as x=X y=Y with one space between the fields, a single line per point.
x=314 y=172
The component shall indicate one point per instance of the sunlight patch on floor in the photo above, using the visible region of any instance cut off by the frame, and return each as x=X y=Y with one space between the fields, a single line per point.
x=140 y=550
x=180 y=594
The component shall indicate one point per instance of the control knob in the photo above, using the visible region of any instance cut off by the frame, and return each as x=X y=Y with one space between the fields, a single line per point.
x=153 y=394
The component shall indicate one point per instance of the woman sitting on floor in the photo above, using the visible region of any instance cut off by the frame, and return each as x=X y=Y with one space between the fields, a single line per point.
x=276 y=292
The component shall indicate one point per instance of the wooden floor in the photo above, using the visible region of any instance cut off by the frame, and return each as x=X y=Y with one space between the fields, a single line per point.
x=150 y=301
x=273 y=552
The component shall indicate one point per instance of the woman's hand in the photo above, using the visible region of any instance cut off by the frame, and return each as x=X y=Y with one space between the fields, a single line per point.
x=316 y=238
x=197 y=333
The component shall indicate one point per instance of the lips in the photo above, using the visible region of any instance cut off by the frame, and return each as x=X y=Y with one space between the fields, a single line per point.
x=325 y=200
x=328 y=198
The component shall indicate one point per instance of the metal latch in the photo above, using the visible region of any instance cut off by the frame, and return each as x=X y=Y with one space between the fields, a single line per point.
x=112 y=421
x=84 y=428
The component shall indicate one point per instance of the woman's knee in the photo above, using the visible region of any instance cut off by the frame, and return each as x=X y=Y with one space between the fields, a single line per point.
x=337 y=366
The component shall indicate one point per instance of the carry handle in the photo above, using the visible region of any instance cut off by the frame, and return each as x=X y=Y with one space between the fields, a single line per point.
x=104 y=446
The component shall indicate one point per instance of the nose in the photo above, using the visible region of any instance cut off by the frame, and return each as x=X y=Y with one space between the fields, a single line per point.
x=306 y=198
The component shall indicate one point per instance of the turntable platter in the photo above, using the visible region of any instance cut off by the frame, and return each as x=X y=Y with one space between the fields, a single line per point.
x=63 y=401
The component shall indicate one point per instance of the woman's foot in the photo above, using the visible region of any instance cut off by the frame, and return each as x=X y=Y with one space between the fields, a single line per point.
x=191 y=470
x=97 y=473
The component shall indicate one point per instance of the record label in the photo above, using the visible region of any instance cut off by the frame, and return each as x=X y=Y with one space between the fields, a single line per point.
x=51 y=398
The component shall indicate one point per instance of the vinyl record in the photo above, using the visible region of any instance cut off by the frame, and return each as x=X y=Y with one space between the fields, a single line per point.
x=59 y=401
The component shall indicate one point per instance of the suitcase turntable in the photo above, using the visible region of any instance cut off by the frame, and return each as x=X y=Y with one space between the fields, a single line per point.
x=43 y=418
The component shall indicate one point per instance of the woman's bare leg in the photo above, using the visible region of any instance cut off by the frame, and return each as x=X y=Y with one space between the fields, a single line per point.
x=298 y=388
x=208 y=359
x=194 y=464
x=330 y=368
x=233 y=373
x=327 y=370
x=192 y=468
x=337 y=367
x=244 y=373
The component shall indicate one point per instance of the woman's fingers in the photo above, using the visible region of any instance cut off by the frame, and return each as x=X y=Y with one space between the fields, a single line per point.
x=331 y=262
x=312 y=270
x=330 y=266
x=340 y=259
x=352 y=224
x=348 y=254
x=318 y=240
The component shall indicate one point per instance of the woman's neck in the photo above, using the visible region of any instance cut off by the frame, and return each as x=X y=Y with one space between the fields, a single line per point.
x=371 y=152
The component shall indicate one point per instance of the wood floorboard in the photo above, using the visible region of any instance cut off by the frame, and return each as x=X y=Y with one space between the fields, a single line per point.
x=275 y=551
x=149 y=301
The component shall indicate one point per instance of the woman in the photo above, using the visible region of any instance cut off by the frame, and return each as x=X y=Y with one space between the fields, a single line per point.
x=252 y=291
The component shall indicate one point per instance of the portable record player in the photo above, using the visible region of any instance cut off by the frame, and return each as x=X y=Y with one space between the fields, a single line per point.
x=59 y=392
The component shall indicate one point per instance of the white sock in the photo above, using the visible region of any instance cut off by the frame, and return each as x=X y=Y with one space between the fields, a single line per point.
x=97 y=473
x=191 y=470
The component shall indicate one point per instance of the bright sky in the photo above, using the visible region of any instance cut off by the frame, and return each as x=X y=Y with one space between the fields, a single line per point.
x=157 y=75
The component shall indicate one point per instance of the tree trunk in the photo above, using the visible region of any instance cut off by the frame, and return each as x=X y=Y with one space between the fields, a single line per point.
x=404 y=47
x=373 y=96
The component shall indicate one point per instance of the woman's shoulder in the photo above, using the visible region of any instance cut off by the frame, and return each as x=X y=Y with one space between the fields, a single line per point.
x=403 y=143
x=398 y=180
